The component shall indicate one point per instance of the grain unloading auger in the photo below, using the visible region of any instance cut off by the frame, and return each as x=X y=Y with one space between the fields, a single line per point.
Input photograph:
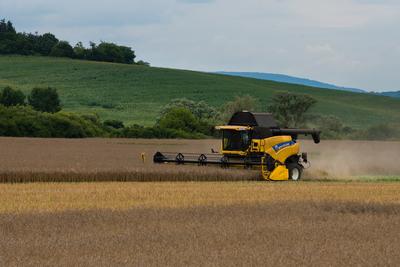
x=253 y=140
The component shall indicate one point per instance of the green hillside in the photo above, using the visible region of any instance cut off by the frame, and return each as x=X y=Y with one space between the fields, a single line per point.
x=135 y=94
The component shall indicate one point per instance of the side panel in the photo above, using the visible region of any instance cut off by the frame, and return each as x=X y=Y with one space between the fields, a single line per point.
x=286 y=152
x=276 y=140
x=281 y=147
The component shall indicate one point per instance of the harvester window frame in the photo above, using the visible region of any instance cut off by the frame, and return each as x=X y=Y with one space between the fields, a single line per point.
x=242 y=145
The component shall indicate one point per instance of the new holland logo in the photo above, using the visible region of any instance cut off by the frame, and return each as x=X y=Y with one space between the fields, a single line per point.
x=283 y=145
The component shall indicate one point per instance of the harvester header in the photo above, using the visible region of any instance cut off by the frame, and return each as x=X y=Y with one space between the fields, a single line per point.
x=253 y=140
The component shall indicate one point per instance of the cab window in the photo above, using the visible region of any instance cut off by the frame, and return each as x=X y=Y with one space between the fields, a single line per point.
x=236 y=140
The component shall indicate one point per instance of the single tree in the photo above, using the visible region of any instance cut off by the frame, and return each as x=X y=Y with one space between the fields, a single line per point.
x=3 y=26
x=240 y=103
x=10 y=27
x=62 y=49
x=45 y=100
x=6 y=26
x=111 y=52
x=10 y=97
x=45 y=43
x=80 y=51
x=289 y=109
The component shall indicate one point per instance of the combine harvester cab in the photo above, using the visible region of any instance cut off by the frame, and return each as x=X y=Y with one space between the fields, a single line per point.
x=253 y=140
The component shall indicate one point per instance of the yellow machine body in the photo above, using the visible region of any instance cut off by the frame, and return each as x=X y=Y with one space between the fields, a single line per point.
x=280 y=148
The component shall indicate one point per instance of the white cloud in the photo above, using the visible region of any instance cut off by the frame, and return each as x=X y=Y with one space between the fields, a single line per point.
x=342 y=13
x=319 y=49
x=348 y=42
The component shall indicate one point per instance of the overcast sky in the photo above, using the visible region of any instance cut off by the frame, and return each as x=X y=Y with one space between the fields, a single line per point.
x=346 y=42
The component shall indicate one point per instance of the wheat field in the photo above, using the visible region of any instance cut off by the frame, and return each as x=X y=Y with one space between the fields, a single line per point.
x=88 y=160
x=93 y=202
x=200 y=224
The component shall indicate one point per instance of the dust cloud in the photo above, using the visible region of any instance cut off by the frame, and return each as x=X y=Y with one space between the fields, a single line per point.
x=342 y=159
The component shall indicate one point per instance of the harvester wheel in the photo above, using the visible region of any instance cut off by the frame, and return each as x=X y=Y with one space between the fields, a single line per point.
x=295 y=171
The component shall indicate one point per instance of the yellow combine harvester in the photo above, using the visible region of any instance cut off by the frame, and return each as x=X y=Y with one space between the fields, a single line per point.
x=253 y=140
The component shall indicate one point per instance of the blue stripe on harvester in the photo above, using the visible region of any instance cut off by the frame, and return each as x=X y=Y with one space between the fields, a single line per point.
x=283 y=145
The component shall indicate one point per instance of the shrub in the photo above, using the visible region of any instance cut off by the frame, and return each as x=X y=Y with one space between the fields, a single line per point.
x=91 y=125
x=382 y=132
x=331 y=127
x=45 y=99
x=203 y=117
x=116 y=124
x=11 y=97
x=143 y=63
x=179 y=119
x=201 y=110
x=94 y=117
x=331 y=123
x=24 y=121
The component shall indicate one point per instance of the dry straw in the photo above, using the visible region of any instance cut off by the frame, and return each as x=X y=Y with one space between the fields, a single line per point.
x=168 y=173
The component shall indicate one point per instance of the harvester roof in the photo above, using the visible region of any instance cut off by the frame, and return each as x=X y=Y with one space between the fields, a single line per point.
x=245 y=118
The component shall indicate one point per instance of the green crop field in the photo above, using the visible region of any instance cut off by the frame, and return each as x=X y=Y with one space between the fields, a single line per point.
x=135 y=94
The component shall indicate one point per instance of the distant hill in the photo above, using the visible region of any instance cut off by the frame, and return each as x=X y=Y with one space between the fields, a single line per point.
x=290 y=79
x=302 y=81
x=136 y=94
x=391 y=94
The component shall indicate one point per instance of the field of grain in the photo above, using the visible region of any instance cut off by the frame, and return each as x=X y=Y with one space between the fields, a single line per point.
x=65 y=160
x=200 y=224
x=335 y=218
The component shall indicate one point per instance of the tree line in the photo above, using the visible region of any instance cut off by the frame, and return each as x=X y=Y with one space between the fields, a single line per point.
x=40 y=114
x=17 y=43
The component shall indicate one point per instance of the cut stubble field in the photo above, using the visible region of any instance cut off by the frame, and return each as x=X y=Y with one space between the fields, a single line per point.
x=326 y=220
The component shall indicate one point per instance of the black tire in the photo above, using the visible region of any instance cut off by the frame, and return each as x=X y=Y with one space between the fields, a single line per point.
x=295 y=171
